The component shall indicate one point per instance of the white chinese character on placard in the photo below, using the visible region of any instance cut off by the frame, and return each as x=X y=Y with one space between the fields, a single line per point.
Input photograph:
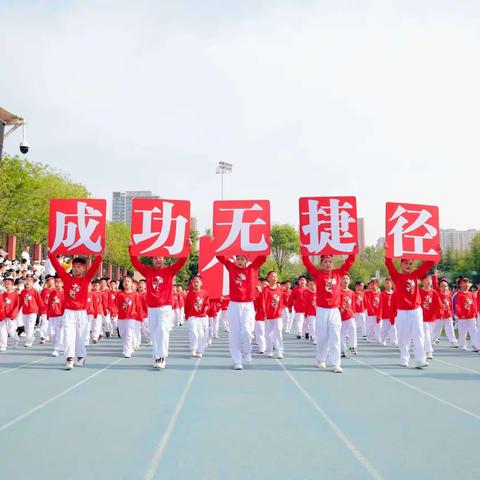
x=73 y=234
x=162 y=236
x=329 y=225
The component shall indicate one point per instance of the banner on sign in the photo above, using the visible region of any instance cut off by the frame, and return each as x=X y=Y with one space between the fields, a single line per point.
x=77 y=226
x=241 y=227
x=412 y=231
x=214 y=275
x=160 y=227
x=328 y=225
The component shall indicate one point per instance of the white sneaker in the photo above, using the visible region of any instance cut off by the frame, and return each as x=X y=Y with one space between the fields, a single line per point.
x=337 y=369
x=238 y=366
x=404 y=365
x=54 y=353
x=199 y=355
x=453 y=344
x=279 y=355
x=429 y=355
x=194 y=353
x=247 y=358
x=69 y=364
x=80 y=362
x=422 y=365
x=3 y=349
x=321 y=364
x=270 y=354
x=127 y=355
x=210 y=341
x=162 y=363
x=156 y=364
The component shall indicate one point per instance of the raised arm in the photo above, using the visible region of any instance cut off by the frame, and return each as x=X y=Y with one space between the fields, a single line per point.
x=137 y=264
x=178 y=265
x=93 y=268
x=392 y=269
x=423 y=268
x=259 y=261
x=348 y=263
x=225 y=261
x=56 y=265
x=311 y=268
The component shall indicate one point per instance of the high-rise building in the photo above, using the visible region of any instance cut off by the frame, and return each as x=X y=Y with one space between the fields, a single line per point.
x=458 y=240
x=122 y=204
x=361 y=234
x=380 y=243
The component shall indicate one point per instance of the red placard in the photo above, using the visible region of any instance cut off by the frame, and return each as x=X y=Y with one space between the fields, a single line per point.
x=160 y=227
x=412 y=231
x=214 y=274
x=241 y=227
x=328 y=225
x=77 y=226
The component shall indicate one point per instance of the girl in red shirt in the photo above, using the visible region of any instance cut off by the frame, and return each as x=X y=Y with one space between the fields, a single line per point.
x=445 y=318
x=347 y=313
x=272 y=296
x=11 y=303
x=466 y=313
x=259 y=308
x=359 y=308
x=310 y=297
x=55 y=313
x=372 y=303
x=32 y=304
x=387 y=311
x=128 y=306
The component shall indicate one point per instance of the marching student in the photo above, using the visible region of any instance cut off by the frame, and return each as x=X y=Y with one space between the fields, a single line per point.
x=259 y=308
x=387 y=312
x=175 y=308
x=328 y=320
x=113 y=286
x=360 y=309
x=11 y=304
x=96 y=307
x=224 y=301
x=142 y=293
x=409 y=319
x=55 y=313
x=347 y=313
x=372 y=302
x=127 y=303
x=287 y=315
x=181 y=301
x=272 y=295
x=445 y=316
x=466 y=313
x=213 y=309
x=3 y=327
x=196 y=308
x=297 y=302
x=105 y=302
x=31 y=303
x=159 y=279
x=310 y=311
x=75 y=321
x=430 y=310
x=48 y=288
x=243 y=278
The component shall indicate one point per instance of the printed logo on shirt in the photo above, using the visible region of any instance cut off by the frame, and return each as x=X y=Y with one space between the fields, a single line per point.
x=468 y=303
x=330 y=284
x=198 y=304
x=27 y=298
x=74 y=290
x=157 y=282
x=275 y=300
x=426 y=303
x=376 y=301
x=347 y=301
x=126 y=304
x=410 y=285
x=241 y=277
x=8 y=301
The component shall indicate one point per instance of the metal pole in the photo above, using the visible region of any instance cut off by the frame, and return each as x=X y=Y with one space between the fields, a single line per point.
x=222 y=183
x=2 y=136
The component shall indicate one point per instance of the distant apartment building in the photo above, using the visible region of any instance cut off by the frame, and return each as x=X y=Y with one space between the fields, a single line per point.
x=361 y=234
x=458 y=240
x=122 y=204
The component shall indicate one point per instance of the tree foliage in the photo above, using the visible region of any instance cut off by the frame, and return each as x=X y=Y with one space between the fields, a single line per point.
x=285 y=244
x=118 y=239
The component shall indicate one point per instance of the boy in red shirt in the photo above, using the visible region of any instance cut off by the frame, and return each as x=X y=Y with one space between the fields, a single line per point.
x=127 y=303
x=32 y=304
x=113 y=286
x=75 y=321
x=409 y=319
x=297 y=302
x=310 y=311
x=372 y=302
x=196 y=308
x=272 y=296
x=328 y=321
x=96 y=311
x=213 y=319
x=430 y=310
x=445 y=317
x=142 y=293
x=105 y=301
x=3 y=327
x=359 y=308
x=224 y=301
x=466 y=313
x=55 y=313
x=259 y=308
x=11 y=303
x=387 y=312
x=241 y=316
x=287 y=316
x=159 y=280
x=347 y=313
x=48 y=288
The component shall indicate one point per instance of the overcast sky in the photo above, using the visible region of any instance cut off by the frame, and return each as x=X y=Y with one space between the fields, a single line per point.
x=378 y=99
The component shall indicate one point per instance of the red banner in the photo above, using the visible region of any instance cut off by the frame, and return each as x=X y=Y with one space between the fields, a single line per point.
x=77 y=226
x=160 y=227
x=412 y=231
x=241 y=227
x=214 y=274
x=328 y=225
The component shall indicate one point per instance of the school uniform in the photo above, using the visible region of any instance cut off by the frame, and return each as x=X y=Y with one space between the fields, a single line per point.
x=273 y=307
x=55 y=315
x=360 y=312
x=3 y=327
x=387 y=312
x=196 y=309
x=349 y=326
x=127 y=304
x=287 y=315
x=31 y=303
x=11 y=303
x=44 y=327
x=430 y=309
x=260 y=338
x=297 y=303
x=310 y=298
x=466 y=312
x=223 y=315
x=372 y=302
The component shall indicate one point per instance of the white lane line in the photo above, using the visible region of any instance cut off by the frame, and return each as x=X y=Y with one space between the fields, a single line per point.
x=56 y=397
x=336 y=429
x=420 y=390
x=457 y=366
x=24 y=365
x=157 y=456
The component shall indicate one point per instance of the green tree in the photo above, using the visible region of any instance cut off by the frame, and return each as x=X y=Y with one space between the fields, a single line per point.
x=117 y=242
x=285 y=244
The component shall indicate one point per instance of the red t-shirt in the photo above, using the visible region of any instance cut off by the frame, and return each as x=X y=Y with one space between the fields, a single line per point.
x=242 y=280
x=213 y=308
x=372 y=302
x=11 y=303
x=45 y=293
x=273 y=302
x=31 y=301
x=430 y=305
x=465 y=305
x=258 y=306
x=113 y=303
x=387 y=309
x=127 y=305
x=56 y=304
x=310 y=298
x=286 y=298
x=358 y=302
x=297 y=299
x=196 y=303
x=346 y=304
x=328 y=283
x=224 y=303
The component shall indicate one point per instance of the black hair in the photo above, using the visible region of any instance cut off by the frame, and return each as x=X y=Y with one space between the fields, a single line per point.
x=302 y=276
x=80 y=260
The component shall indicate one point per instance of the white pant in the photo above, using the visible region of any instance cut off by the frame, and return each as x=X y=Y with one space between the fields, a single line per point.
x=287 y=317
x=75 y=324
x=310 y=320
x=197 y=334
x=447 y=324
x=145 y=331
x=388 y=330
x=114 y=322
x=427 y=329
x=241 y=320
x=3 y=335
x=273 y=334
x=137 y=334
x=96 y=327
x=372 y=328
x=44 y=329
x=410 y=327
x=299 y=319
x=260 y=335
x=467 y=326
x=361 y=320
x=12 y=329
x=213 y=324
x=224 y=318
x=160 y=324
x=327 y=327
x=127 y=329
x=107 y=323
x=349 y=329
x=57 y=333
x=29 y=320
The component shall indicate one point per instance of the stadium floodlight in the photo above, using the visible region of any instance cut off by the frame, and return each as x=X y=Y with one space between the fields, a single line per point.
x=222 y=169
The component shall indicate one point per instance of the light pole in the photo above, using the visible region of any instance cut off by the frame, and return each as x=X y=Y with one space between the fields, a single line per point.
x=222 y=168
x=14 y=121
